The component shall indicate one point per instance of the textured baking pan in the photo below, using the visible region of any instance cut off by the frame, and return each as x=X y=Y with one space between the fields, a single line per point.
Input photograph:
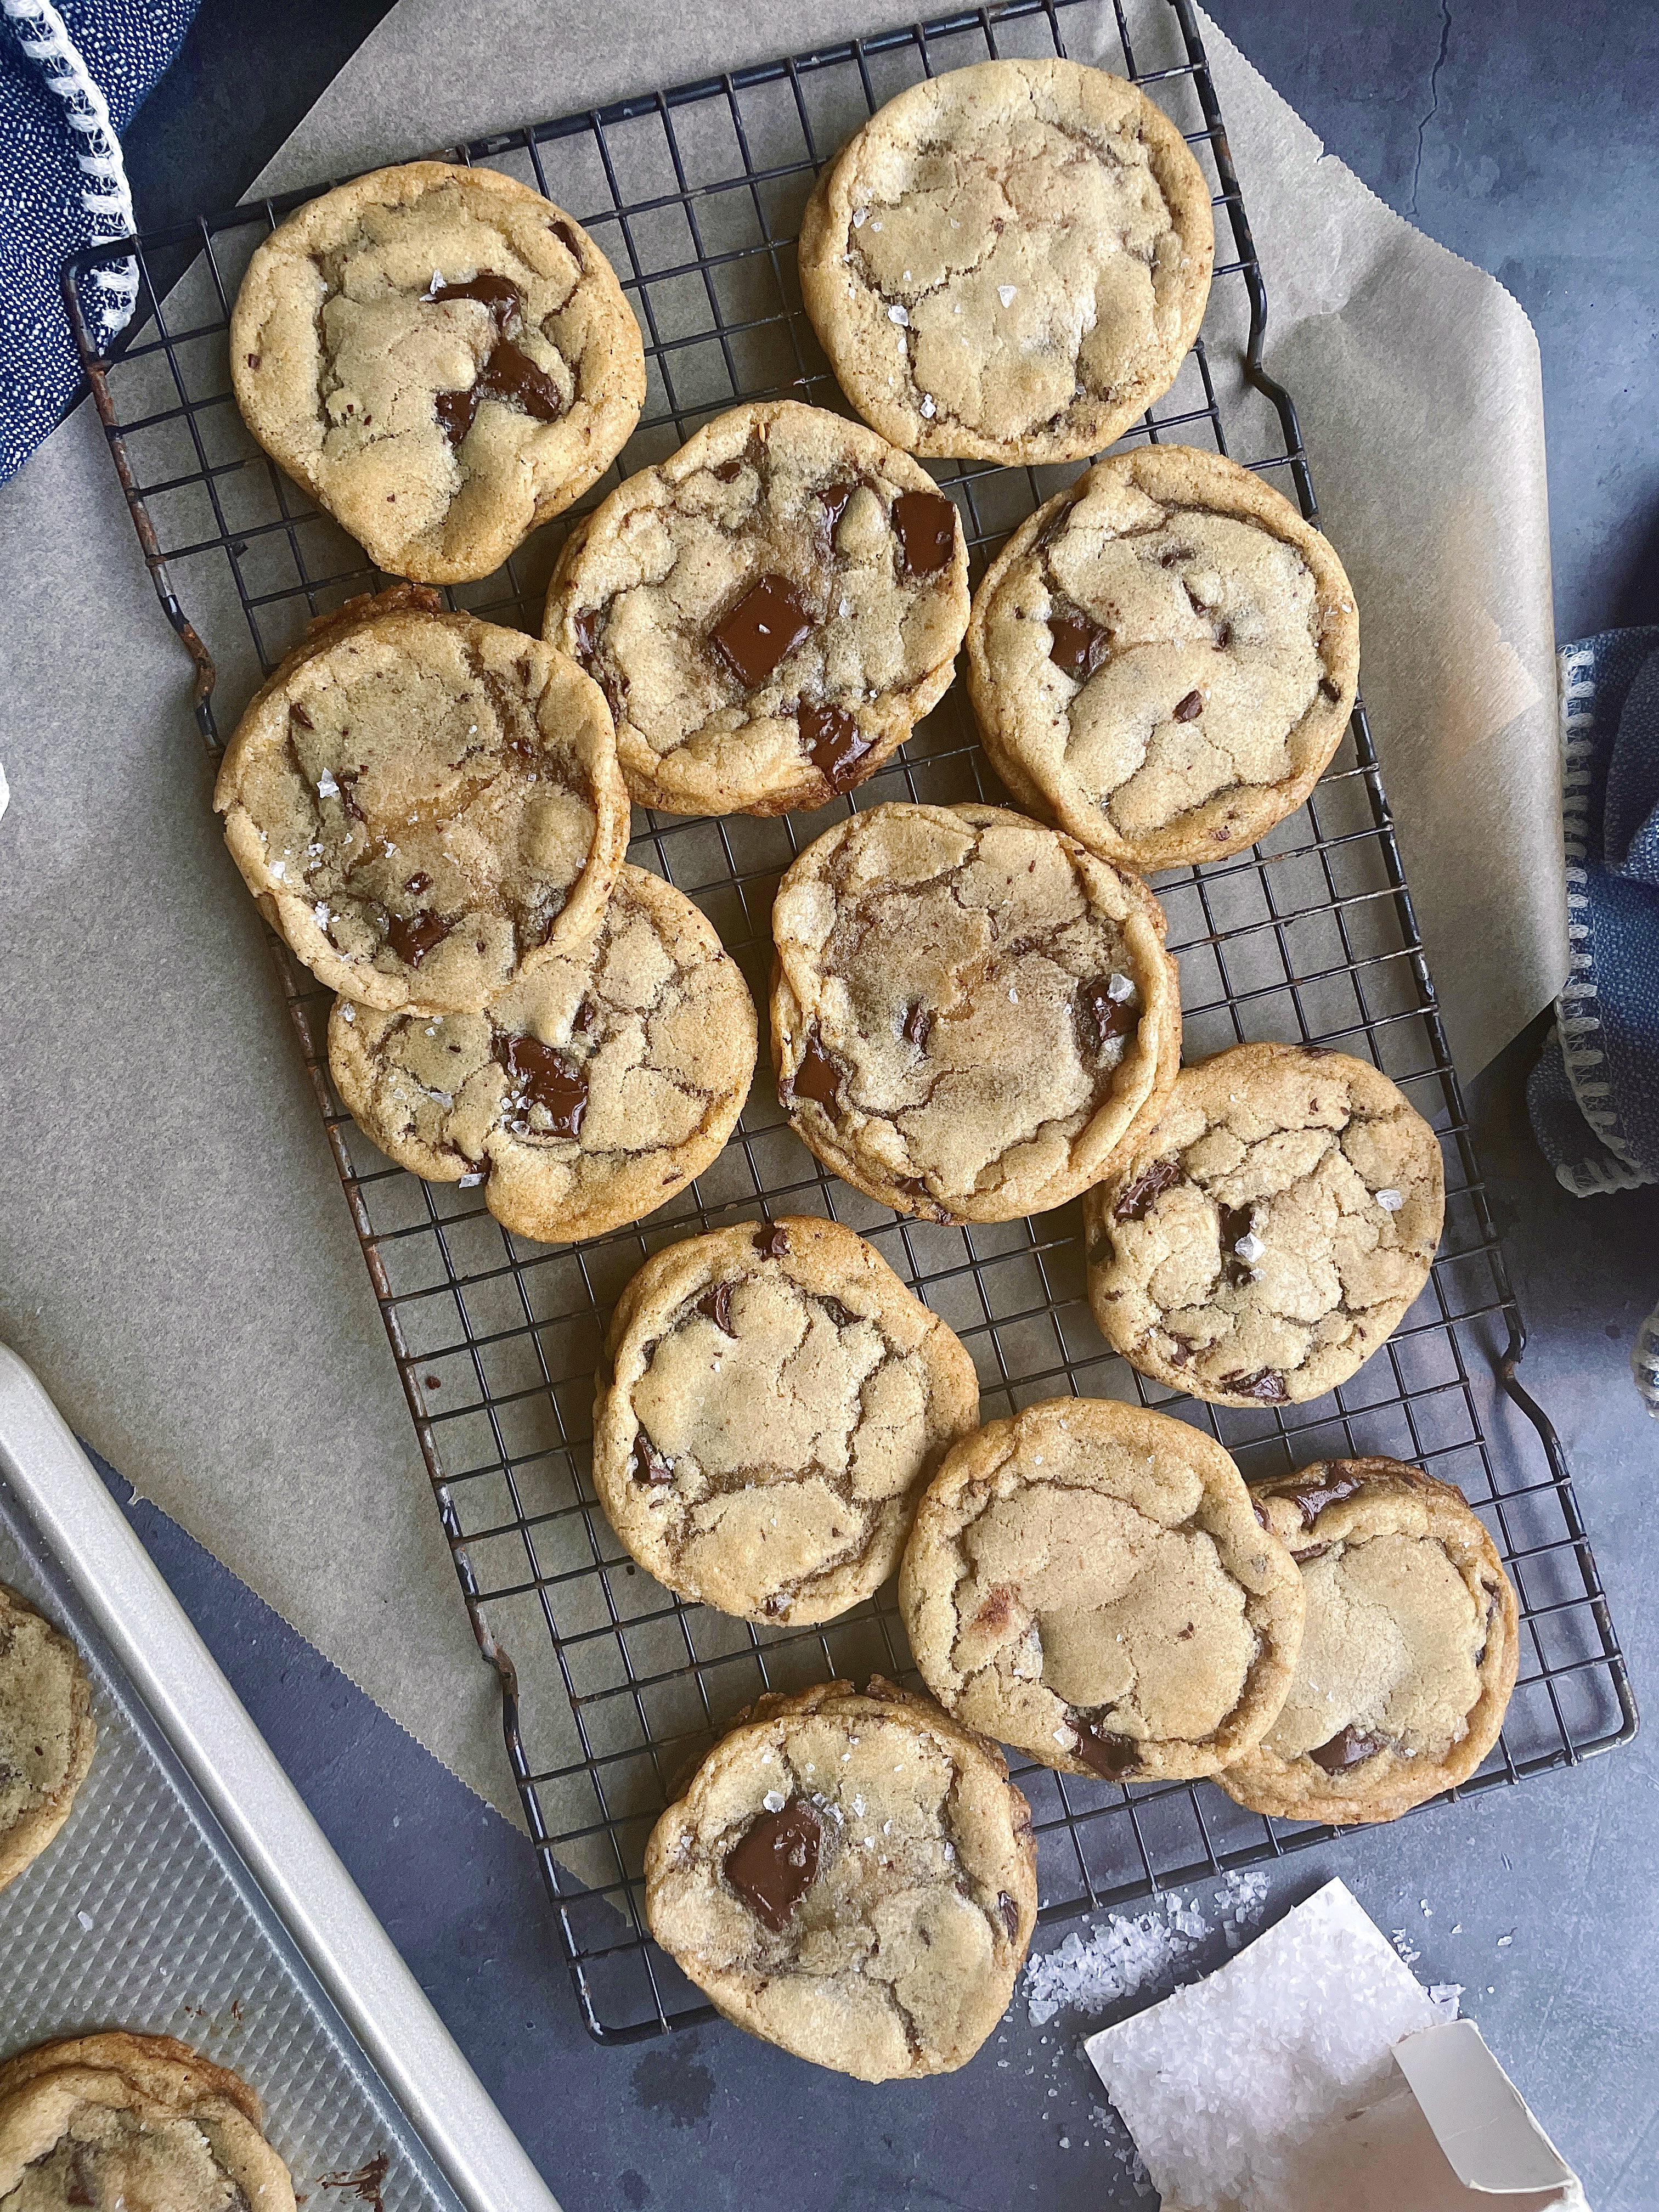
x=190 y=1893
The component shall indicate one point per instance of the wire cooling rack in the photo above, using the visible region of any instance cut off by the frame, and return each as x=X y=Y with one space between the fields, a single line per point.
x=612 y=1688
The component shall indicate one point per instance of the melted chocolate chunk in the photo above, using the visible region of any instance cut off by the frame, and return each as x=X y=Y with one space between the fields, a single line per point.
x=586 y=627
x=546 y=1078
x=1235 y=1222
x=1079 y=645
x=768 y=622
x=1262 y=1513
x=834 y=744
x=1312 y=1496
x=818 y=1077
x=1332 y=691
x=918 y=1024
x=833 y=499
x=300 y=716
x=1349 y=1747
x=925 y=526
x=775 y=1863
x=729 y=471
x=715 y=1305
x=412 y=937
x=1136 y=1202
x=838 y=1313
x=649 y=1465
x=419 y=882
x=771 y=1241
x=346 y=779
x=499 y=294
x=455 y=411
x=1189 y=708
x=1008 y=1913
x=569 y=239
x=1267 y=1384
x=1114 y=1758
x=1107 y=1017
x=584 y=1019
x=509 y=375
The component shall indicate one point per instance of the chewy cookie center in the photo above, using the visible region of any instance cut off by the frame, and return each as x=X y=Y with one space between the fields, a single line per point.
x=117 y=2161
x=37 y=1716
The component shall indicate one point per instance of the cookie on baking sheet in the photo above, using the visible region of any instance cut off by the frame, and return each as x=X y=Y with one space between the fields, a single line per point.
x=853 y=1877
x=1088 y=1583
x=1267 y=1236
x=1409 y=1650
x=441 y=357
x=1162 y=659
x=582 y=1096
x=425 y=805
x=140 y=2121
x=772 y=1403
x=1009 y=262
x=769 y=610
x=970 y=1013
x=47 y=1732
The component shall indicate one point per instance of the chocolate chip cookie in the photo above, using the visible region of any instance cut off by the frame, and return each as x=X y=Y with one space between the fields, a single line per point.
x=1409 y=1650
x=46 y=1733
x=769 y=612
x=423 y=805
x=852 y=1877
x=970 y=1013
x=1162 y=659
x=441 y=357
x=139 y=2120
x=1267 y=1236
x=1009 y=262
x=582 y=1097
x=771 y=1404
x=1088 y=1583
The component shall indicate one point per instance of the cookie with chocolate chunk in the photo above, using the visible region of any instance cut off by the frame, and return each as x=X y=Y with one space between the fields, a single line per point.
x=136 y=2121
x=1164 y=658
x=582 y=1096
x=852 y=1877
x=1267 y=1236
x=1088 y=1582
x=47 y=1733
x=772 y=1403
x=970 y=1014
x=1409 y=1650
x=441 y=357
x=769 y=610
x=1009 y=262
x=425 y=805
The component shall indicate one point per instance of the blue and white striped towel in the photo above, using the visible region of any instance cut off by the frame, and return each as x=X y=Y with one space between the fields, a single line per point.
x=72 y=77
x=1594 y=1097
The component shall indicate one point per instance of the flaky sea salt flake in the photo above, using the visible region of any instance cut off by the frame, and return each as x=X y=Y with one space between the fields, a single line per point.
x=1005 y=294
x=326 y=787
x=900 y=315
x=1391 y=1200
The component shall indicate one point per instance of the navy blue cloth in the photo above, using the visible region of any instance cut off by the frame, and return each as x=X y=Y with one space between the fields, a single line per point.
x=123 y=47
x=1594 y=1097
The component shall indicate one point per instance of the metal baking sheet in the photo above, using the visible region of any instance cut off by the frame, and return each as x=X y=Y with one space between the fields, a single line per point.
x=144 y=1914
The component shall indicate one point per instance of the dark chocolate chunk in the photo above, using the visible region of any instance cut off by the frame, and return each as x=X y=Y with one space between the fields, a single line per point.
x=347 y=779
x=833 y=499
x=1112 y=1757
x=584 y=1019
x=834 y=744
x=586 y=627
x=545 y=1078
x=1008 y=1913
x=1136 y=1201
x=499 y=294
x=412 y=937
x=1267 y=1384
x=569 y=239
x=775 y=1863
x=1236 y=1225
x=838 y=1313
x=455 y=411
x=771 y=1241
x=1349 y=1747
x=508 y=374
x=926 y=526
x=918 y=1023
x=1332 y=691
x=729 y=471
x=818 y=1077
x=1189 y=708
x=419 y=882
x=300 y=716
x=649 y=1465
x=1312 y=1495
x=1262 y=1513
x=768 y=622
x=1107 y=1018
x=1079 y=645
x=715 y=1305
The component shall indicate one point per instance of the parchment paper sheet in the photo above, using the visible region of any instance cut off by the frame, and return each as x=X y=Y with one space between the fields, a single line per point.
x=175 y=1256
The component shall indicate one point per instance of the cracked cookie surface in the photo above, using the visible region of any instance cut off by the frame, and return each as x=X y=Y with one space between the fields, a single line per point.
x=425 y=805
x=970 y=1013
x=47 y=1734
x=1162 y=659
x=773 y=1403
x=441 y=357
x=1409 y=1650
x=1088 y=1583
x=133 y=2121
x=1009 y=262
x=1267 y=1236
x=769 y=610
x=582 y=1096
x=850 y=1876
